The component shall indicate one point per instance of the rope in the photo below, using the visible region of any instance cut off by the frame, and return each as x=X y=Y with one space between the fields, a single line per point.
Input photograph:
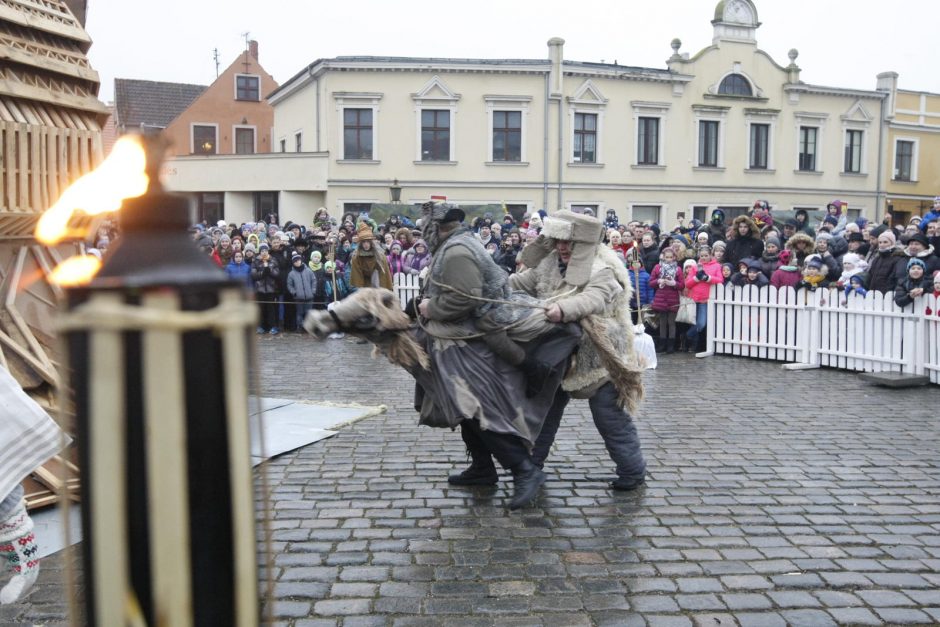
x=496 y=301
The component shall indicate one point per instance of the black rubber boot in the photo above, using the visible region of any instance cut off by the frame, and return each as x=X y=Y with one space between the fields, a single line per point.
x=479 y=473
x=527 y=479
x=671 y=345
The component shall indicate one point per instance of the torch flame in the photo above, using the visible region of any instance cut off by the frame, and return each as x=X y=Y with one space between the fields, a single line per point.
x=122 y=175
x=75 y=271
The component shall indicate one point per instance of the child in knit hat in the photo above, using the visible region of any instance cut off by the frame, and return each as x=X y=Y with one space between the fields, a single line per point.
x=814 y=274
x=787 y=273
x=914 y=285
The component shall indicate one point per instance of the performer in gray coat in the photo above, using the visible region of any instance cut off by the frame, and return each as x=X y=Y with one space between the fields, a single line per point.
x=592 y=287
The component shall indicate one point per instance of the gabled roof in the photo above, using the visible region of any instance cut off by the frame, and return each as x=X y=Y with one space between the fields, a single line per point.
x=142 y=104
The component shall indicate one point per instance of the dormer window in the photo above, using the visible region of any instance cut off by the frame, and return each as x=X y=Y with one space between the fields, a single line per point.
x=735 y=85
x=247 y=87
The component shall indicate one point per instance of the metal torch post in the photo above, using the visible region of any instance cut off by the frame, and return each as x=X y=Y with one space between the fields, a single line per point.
x=157 y=348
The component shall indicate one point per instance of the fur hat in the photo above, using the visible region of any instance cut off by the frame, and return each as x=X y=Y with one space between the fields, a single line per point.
x=365 y=232
x=583 y=231
x=824 y=236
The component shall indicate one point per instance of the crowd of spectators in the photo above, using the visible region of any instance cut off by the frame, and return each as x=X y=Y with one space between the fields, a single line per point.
x=293 y=268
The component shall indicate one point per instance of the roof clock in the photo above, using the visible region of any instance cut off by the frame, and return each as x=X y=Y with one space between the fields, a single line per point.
x=739 y=12
x=735 y=20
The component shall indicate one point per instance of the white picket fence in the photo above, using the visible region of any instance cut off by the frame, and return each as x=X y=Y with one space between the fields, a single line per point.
x=406 y=287
x=809 y=329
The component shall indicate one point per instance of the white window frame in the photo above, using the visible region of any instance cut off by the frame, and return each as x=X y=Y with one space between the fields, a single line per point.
x=658 y=110
x=435 y=95
x=659 y=218
x=356 y=100
x=818 y=121
x=518 y=104
x=299 y=138
x=282 y=143
x=192 y=137
x=863 y=153
x=595 y=104
x=709 y=114
x=914 y=158
x=254 y=137
x=235 y=87
x=761 y=117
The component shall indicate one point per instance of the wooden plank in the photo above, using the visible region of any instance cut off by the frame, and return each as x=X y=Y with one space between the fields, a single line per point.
x=898 y=346
x=42 y=160
x=763 y=296
x=9 y=158
x=737 y=331
x=9 y=304
x=878 y=332
x=52 y=164
x=22 y=168
x=772 y=326
x=35 y=171
x=851 y=329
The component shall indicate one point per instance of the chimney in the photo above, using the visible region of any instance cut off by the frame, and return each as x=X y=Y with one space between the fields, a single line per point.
x=253 y=48
x=556 y=56
x=888 y=83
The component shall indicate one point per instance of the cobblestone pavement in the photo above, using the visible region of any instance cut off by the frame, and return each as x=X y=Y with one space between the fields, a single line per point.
x=774 y=498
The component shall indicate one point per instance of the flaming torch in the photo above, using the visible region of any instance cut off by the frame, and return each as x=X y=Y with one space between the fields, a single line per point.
x=157 y=340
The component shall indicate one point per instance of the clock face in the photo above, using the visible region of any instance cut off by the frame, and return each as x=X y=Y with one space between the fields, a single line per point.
x=738 y=11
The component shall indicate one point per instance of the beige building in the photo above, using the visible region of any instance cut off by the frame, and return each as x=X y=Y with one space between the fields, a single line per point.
x=720 y=128
x=912 y=150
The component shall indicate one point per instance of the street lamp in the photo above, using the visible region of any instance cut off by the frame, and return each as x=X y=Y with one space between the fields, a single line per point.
x=395 y=191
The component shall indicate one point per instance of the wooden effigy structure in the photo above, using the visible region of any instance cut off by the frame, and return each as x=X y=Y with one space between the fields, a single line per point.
x=50 y=134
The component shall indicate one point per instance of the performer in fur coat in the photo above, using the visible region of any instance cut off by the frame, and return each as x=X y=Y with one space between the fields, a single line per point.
x=591 y=286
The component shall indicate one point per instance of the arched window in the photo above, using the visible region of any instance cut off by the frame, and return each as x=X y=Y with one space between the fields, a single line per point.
x=735 y=85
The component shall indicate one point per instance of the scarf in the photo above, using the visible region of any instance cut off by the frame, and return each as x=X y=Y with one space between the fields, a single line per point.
x=668 y=269
x=814 y=280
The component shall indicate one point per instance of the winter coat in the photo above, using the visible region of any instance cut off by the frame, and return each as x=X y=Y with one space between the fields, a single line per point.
x=929 y=258
x=699 y=289
x=716 y=232
x=366 y=264
x=740 y=279
x=645 y=292
x=239 y=272
x=667 y=296
x=266 y=277
x=769 y=263
x=738 y=247
x=884 y=268
x=833 y=267
x=798 y=256
x=902 y=297
x=649 y=257
x=302 y=284
x=786 y=276
x=605 y=298
x=342 y=288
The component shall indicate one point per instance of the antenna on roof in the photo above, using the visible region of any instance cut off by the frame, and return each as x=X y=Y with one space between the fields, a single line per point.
x=247 y=62
x=215 y=57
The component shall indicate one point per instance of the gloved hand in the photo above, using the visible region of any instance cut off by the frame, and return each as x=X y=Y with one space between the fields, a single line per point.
x=701 y=276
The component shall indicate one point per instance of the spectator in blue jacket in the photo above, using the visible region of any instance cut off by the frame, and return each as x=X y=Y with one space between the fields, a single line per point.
x=238 y=270
x=643 y=296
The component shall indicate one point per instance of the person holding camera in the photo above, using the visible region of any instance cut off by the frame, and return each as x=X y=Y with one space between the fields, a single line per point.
x=698 y=281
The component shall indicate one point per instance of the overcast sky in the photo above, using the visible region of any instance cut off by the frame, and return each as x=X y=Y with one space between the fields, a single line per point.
x=841 y=43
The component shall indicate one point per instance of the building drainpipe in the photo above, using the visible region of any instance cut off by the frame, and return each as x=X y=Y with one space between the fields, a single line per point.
x=879 y=202
x=545 y=140
x=317 y=90
x=556 y=54
x=887 y=84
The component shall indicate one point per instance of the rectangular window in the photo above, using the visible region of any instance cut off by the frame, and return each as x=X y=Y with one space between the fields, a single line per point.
x=298 y=142
x=853 y=152
x=647 y=214
x=708 y=143
x=435 y=135
x=247 y=88
x=244 y=141
x=903 y=160
x=647 y=150
x=210 y=207
x=517 y=211
x=264 y=203
x=356 y=208
x=357 y=133
x=588 y=209
x=283 y=145
x=204 y=141
x=807 y=161
x=507 y=136
x=760 y=146
x=585 y=138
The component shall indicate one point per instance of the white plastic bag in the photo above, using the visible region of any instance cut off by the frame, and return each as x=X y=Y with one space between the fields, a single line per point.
x=645 y=347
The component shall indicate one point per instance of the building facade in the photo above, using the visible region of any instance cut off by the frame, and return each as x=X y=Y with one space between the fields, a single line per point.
x=912 y=151
x=719 y=129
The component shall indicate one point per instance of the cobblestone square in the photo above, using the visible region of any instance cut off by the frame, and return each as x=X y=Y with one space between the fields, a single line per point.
x=773 y=498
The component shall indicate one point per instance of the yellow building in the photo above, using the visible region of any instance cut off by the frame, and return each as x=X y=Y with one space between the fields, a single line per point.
x=912 y=152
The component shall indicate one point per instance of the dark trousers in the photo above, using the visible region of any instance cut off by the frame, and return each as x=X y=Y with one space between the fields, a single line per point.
x=509 y=450
x=268 y=311
x=613 y=423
